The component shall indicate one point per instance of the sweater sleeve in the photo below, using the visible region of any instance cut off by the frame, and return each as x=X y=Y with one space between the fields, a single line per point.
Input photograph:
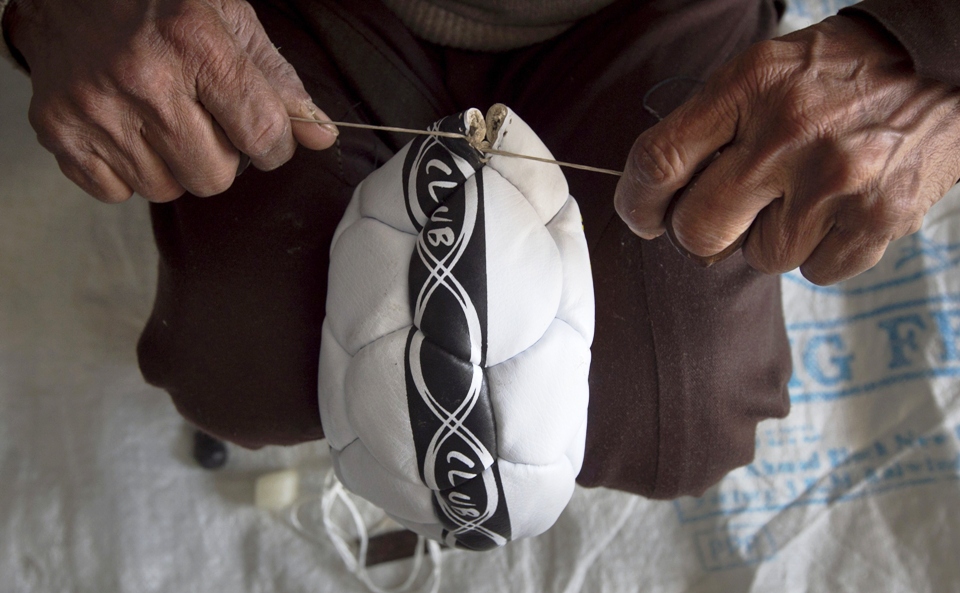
x=928 y=29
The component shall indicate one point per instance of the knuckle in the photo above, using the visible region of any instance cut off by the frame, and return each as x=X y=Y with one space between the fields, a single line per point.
x=159 y=188
x=699 y=237
x=763 y=64
x=767 y=261
x=91 y=103
x=772 y=243
x=217 y=65
x=114 y=197
x=656 y=162
x=185 y=23
x=762 y=54
x=243 y=16
x=766 y=51
x=143 y=73
x=879 y=214
x=798 y=125
x=285 y=79
x=914 y=225
x=776 y=263
x=153 y=183
x=214 y=182
x=198 y=36
x=266 y=135
x=50 y=127
x=168 y=196
x=855 y=165
x=92 y=176
x=160 y=195
x=819 y=275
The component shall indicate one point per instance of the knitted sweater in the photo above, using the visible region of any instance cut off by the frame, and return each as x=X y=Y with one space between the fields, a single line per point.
x=928 y=29
x=491 y=25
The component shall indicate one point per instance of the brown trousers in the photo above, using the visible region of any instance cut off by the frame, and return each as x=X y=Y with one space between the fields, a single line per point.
x=686 y=361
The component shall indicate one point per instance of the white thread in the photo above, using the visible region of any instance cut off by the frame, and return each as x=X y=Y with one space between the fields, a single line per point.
x=334 y=491
x=482 y=147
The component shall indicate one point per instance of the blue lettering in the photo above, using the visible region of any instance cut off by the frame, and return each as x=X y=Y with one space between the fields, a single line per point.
x=949 y=333
x=838 y=456
x=904 y=441
x=794 y=382
x=900 y=342
x=841 y=364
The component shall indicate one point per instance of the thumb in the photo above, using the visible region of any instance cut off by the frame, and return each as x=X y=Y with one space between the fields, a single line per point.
x=280 y=74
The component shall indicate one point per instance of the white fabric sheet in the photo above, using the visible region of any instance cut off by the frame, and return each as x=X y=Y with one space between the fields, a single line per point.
x=858 y=490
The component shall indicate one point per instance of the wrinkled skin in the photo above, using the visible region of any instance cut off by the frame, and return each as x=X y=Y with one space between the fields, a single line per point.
x=159 y=97
x=830 y=147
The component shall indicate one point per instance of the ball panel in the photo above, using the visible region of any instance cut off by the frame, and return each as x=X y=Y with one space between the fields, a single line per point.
x=542 y=184
x=576 y=300
x=433 y=531
x=540 y=397
x=380 y=195
x=524 y=273
x=367 y=292
x=536 y=494
x=577 y=448
x=360 y=473
x=376 y=404
x=350 y=216
x=334 y=362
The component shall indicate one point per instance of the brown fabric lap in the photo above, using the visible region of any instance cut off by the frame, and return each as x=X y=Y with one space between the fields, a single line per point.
x=686 y=360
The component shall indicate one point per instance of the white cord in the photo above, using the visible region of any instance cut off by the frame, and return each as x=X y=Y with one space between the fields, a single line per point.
x=334 y=491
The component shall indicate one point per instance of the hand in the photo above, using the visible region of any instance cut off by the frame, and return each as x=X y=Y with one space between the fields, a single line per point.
x=159 y=96
x=830 y=148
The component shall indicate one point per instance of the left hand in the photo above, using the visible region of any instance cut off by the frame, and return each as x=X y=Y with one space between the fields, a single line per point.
x=831 y=146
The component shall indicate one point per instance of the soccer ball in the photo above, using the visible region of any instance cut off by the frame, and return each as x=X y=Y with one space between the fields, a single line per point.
x=456 y=346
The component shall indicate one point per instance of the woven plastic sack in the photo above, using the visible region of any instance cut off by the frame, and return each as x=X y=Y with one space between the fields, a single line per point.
x=456 y=346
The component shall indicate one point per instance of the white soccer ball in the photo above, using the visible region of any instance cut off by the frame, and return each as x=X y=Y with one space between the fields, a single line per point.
x=456 y=346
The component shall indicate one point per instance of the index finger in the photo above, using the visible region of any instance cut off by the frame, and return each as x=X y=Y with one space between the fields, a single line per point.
x=230 y=86
x=665 y=158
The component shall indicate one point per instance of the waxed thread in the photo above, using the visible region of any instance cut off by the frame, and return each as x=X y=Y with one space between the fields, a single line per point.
x=480 y=147
x=486 y=149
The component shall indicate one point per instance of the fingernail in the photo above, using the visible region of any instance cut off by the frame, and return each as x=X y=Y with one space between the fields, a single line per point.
x=315 y=113
x=242 y=166
x=647 y=234
x=643 y=233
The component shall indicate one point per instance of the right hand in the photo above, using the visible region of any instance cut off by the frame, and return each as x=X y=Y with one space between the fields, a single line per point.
x=159 y=97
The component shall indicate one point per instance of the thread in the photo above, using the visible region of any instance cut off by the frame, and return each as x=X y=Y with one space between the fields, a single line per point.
x=334 y=492
x=481 y=148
